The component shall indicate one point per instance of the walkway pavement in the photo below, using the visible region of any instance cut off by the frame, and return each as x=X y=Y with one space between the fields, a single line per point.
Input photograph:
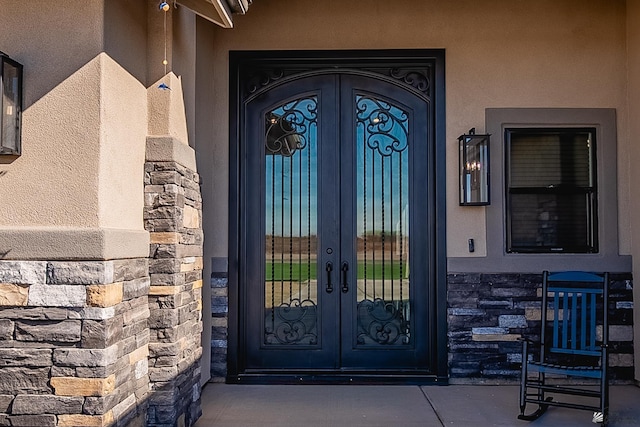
x=368 y=405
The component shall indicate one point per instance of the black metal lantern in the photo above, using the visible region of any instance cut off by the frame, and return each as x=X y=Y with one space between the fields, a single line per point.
x=10 y=104
x=474 y=169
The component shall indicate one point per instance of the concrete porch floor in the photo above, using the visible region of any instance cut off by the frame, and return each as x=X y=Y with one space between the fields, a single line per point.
x=370 y=405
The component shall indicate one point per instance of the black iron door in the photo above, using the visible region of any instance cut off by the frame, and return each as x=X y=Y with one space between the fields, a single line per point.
x=337 y=201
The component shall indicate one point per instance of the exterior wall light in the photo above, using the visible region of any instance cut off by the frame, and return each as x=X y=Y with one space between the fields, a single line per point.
x=10 y=105
x=474 y=169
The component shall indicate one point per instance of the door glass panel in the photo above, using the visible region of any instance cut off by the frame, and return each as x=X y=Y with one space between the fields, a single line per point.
x=291 y=286
x=383 y=306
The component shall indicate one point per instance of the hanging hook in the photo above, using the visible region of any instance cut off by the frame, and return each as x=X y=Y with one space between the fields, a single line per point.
x=164 y=6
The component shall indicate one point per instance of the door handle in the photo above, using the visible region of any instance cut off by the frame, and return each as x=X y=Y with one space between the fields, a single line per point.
x=329 y=268
x=345 y=270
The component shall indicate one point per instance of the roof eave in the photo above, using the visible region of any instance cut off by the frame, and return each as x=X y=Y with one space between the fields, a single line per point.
x=217 y=11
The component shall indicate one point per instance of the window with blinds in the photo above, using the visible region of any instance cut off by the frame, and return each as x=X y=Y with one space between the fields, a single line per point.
x=551 y=190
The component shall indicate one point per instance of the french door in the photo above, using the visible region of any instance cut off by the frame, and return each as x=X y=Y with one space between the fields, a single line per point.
x=337 y=242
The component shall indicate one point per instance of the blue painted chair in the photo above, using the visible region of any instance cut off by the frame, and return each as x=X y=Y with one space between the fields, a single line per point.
x=573 y=347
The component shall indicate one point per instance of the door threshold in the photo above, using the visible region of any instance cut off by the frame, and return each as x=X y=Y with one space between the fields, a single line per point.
x=337 y=378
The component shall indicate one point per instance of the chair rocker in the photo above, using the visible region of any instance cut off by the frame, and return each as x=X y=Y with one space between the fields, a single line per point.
x=574 y=307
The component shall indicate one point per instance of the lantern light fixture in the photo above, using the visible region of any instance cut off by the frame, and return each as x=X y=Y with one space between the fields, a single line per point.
x=10 y=105
x=474 y=168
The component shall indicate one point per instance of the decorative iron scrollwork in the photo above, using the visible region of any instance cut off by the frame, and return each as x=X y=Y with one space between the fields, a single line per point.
x=381 y=322
x=292 y=323
x=288 y=126
x=414 y=77
x=262 y=78
x=386 y=126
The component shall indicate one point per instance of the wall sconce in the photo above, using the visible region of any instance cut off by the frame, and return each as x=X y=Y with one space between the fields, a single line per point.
x=474 y=169
x=10 y=105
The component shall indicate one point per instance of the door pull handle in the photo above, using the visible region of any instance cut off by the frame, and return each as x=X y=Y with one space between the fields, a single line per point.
x=329 y=268
x=345 y=285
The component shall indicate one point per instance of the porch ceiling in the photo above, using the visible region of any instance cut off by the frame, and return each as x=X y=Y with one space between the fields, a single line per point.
x=217 y=11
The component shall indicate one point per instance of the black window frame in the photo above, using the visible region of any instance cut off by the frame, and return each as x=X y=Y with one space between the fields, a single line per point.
x=588 y=245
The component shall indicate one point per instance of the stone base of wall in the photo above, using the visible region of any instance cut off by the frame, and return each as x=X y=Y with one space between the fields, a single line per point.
x=74 y=343
x=488 y=313
x=219 y=326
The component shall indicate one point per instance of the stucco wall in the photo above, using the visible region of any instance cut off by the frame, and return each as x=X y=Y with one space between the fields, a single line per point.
x=125 y=33
x=204 y=131
x=184 y=63
x=79 y=178
x=499 y=53
x=123 y=133
x=55 y=115
x=633 y=49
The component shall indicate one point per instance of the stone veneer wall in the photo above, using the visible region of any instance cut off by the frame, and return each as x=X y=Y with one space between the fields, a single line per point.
x=487 y=313
x=172 y=215
x=73 y=343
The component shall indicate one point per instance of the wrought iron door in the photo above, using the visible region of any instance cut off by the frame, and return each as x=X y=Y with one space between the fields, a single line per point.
x=337 y=230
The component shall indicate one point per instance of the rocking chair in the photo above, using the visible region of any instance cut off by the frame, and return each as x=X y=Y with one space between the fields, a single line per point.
x=574 y=309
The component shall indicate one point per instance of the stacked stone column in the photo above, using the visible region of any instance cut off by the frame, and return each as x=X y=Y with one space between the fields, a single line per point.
x=173 y=217
x=74 y=342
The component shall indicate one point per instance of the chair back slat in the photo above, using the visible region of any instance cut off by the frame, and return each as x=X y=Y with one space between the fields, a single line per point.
x=565 y=319
x=583 y=319
x=556 y=319
x=575 y=324
x=593 y=317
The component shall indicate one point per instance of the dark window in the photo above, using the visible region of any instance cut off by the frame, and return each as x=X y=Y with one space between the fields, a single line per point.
x=551 y=190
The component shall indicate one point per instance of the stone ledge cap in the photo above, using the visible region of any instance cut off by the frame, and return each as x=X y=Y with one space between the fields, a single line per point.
x=169 y=149
x=72 y=243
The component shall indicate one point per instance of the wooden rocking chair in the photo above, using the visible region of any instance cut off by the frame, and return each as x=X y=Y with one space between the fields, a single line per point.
x=574 y=307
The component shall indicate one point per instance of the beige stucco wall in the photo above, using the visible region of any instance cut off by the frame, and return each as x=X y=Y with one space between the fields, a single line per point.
x=53 y=113
x=76 y=191
x=633 y=49
x=499 y=53
x=123 y=125
x=184 y=62
x=204 y=135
